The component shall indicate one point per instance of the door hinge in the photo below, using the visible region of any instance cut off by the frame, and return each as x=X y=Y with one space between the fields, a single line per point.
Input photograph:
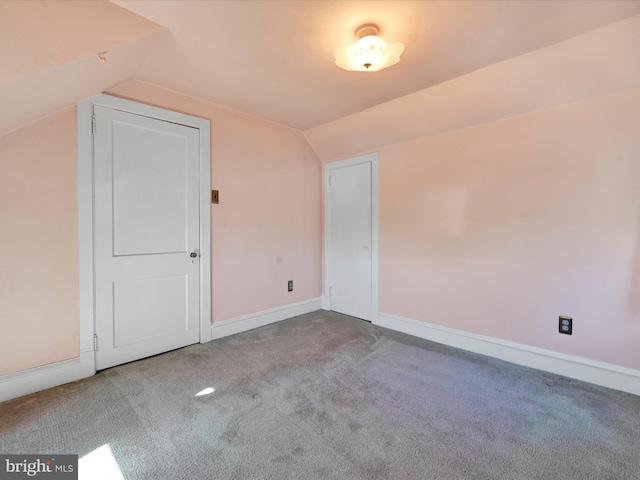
x=330 y=291
x=93 y=124
x=95 y=342
x=330 y=180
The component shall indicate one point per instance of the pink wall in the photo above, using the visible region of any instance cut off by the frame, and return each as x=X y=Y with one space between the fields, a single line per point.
x=265 y=231
x=267 y=228
x=38 y=241
x=498 y=229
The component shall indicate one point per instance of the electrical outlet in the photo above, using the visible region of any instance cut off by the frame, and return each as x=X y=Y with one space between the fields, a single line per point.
x=290 y=286
x=565 y=325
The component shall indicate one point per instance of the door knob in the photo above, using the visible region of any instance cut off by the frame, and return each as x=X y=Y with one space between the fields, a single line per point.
x=193 y=254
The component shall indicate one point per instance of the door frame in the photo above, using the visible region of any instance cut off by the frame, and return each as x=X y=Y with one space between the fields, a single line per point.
x=85 y=186
x=371 y=158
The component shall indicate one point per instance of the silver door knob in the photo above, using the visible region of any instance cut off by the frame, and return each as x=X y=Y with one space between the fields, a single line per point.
x=193 y=254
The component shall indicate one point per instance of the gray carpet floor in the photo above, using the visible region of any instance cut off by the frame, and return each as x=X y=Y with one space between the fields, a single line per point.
x=331 y=397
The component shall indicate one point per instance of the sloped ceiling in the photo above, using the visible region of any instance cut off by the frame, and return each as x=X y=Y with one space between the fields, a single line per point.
x=272 y=59
x=601 y=62
x=48 y=53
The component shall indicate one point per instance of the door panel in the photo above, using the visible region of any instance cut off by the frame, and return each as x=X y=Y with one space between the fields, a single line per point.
x=146 y=226
x=351 y=240
x=151 y=192
x=164 y=299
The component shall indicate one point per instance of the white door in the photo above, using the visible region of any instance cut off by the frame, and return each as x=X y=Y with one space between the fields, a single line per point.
x=350 y=240
x=146 y=231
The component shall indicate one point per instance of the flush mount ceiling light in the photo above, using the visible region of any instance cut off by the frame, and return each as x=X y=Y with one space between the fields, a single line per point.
x=370 y=53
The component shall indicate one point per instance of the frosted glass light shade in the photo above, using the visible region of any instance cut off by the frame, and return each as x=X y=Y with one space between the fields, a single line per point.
x=369 y=54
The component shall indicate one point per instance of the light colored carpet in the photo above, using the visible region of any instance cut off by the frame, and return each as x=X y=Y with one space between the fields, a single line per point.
x=331 y=397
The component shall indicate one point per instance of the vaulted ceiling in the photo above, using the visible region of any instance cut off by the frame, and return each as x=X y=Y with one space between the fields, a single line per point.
x=272 y=59
x=48 y=53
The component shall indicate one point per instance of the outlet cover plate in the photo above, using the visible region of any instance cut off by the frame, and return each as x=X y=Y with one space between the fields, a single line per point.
x=565 y=324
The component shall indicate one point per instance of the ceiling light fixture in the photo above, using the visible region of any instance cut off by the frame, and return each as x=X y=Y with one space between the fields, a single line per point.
x=370 y=53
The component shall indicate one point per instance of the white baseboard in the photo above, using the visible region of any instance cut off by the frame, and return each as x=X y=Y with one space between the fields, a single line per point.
x=87 y=364
x=326 y=302
x=243 y=323
x=592 y=371
x=33 y=380
x=624 y=379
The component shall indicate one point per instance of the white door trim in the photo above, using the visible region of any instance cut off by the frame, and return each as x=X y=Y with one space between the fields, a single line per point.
x=369 y=158
x=86 y=213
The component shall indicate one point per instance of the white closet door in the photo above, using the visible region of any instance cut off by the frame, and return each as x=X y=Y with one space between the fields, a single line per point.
x=146 y=236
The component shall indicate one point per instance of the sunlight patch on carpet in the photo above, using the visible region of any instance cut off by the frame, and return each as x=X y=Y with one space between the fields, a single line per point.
x=206 y=391
x=99 y=464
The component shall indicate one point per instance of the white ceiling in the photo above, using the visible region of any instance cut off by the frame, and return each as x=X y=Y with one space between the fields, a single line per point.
x=48 y=54
x=274 y=59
